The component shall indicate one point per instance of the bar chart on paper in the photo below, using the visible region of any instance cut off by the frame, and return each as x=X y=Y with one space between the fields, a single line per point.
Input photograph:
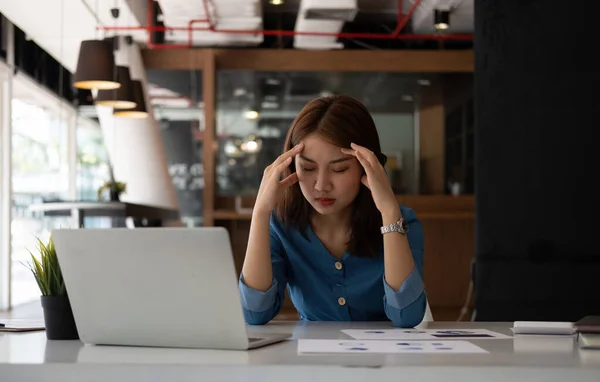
x=418 y=335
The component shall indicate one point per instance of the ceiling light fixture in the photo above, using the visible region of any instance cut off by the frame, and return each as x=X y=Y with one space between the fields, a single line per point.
x=139 y=111
x=121 y=98
x=95 y=66
x=441 y=19
x=276 y=2
x=251 y=114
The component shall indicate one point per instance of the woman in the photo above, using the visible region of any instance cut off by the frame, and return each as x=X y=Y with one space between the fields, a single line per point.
x=327 y=225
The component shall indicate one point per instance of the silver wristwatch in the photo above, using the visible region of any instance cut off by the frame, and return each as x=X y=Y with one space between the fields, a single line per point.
x=399 y=226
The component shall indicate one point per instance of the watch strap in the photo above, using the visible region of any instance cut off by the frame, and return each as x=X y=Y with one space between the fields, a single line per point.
x=399 y=226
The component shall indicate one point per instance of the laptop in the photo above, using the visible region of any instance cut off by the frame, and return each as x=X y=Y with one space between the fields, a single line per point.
x=159 y=287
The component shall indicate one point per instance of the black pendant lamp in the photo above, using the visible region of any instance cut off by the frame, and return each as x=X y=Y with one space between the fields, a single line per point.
x=121 y=98
x=441 y=19
x=95 y=66
x=139 y=111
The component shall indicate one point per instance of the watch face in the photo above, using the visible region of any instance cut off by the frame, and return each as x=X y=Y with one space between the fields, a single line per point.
x=402 y=225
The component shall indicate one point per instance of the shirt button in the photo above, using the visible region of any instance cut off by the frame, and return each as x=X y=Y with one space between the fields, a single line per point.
x=342 y=301
x=338 y=265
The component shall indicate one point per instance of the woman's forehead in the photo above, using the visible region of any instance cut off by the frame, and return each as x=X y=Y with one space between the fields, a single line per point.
x=318 y=146
x=322 y=151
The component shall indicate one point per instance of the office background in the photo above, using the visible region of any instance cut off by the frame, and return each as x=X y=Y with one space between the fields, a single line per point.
x=489 y=146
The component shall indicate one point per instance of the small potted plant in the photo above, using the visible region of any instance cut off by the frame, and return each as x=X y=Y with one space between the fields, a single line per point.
x=114 y=188
x=58 y=315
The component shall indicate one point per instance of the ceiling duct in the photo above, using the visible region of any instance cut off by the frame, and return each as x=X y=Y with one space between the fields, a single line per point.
x=330 y=14
x=323 y=17
x=226 y=15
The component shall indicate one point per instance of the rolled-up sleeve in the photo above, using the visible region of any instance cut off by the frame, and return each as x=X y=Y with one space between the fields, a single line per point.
x=256 y=300
x=406 y=306
x=261 y=307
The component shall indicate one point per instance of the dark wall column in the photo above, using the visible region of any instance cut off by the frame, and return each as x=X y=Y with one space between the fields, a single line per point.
x=537 y=101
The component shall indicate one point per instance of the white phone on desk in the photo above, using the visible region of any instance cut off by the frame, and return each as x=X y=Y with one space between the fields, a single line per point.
x=543 y=328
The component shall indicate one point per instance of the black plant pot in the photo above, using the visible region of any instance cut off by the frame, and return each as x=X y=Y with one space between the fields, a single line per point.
x=114 y=196
x=60 y=324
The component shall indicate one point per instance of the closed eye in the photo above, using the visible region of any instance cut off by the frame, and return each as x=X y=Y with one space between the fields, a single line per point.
x=341 y=170
x=306 y=169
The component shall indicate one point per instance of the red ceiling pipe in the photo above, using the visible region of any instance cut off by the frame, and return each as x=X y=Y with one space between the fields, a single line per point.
x=351 y=35
x=403 y=21
x=191 y=29
x=155 y=28
x=398 y=19
x=294 y=33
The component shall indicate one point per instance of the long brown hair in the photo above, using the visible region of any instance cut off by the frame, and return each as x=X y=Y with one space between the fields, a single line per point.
x=341 y=120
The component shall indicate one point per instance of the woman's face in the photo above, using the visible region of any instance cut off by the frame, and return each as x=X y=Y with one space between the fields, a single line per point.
x=328 y=178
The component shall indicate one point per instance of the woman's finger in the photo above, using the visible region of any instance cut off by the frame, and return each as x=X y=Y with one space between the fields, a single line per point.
x=365 y=180
x=365 y=163
x=281 y=166
x=357 y=155
x=368 y=154
x=354 y=153
x=349 y=152
x=359 y=147
x=289 y=154
x=289 y=180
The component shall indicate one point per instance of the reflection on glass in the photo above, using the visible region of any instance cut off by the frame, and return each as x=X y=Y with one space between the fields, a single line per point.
x=93 y=167
x=176 y=99
x=92 y=160
x=255 y=110
x=459 y=133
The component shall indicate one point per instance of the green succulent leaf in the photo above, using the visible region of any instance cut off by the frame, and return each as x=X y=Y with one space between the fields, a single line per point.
x=46 y=269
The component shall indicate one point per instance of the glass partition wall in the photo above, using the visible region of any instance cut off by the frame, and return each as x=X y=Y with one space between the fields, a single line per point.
x=256 y=108
x=93 y=166
x=251 y=96
x=176 y=98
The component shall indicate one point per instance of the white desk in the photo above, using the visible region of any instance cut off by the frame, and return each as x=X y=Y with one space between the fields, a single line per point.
x=79 y=210
x=29 y=357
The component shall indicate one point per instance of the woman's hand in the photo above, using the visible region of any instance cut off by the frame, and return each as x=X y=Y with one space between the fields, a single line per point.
x=271 y=186
x=377 y=181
